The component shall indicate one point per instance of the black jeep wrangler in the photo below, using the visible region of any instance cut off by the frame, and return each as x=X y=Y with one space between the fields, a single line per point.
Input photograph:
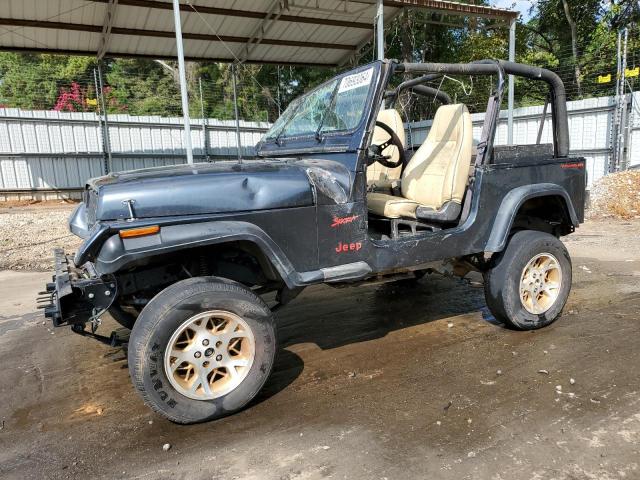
x=194 y=259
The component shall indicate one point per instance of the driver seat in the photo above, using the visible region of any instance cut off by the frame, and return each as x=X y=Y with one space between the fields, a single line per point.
x=379 y=176
x=434 y=181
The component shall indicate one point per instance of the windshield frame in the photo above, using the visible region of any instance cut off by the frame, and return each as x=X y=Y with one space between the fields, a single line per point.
x=279 y=139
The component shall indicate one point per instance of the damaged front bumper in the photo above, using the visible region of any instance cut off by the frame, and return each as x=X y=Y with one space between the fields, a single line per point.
x=76 y=295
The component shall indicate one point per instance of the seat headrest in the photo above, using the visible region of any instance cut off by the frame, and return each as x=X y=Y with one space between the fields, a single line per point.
x=447 y=122
x=390 y=116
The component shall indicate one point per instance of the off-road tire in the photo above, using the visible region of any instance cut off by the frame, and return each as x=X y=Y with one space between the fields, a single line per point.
x=164 y=314
x=502 y=280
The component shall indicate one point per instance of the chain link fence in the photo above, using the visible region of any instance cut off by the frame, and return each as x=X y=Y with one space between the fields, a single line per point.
x=150 y=88
x=141 y=99
x=145 y=87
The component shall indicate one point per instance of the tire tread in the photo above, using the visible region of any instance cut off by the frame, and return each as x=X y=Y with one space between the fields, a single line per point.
x=151 y=316
x=497 y=278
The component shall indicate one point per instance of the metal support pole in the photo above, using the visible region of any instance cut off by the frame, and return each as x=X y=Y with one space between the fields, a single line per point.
x=380 y=29
x=183 y=81
x=613 y=159
x=235 y=108
x=103 y=107
x=621 y=103
x=511 y=97
x=100 y=126
x=205 y=122
x=279 y=99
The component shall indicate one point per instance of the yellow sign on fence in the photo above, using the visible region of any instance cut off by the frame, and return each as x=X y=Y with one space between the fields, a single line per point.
x=632 y=72
x=604 y=78
x=92 y=101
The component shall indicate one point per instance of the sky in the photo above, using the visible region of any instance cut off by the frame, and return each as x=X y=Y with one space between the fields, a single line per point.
x=521 y=6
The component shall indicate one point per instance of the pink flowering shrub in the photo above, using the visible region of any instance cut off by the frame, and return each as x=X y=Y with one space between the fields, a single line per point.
x=71 y=99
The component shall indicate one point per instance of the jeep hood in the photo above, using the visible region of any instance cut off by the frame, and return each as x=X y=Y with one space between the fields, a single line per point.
x=207 y=188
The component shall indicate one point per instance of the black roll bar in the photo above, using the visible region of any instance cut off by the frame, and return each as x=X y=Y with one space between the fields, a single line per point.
x=423 y=90
x=483 y=67
x=416 y=81
x=430 y=71
x=426 y=91
x=558 y=100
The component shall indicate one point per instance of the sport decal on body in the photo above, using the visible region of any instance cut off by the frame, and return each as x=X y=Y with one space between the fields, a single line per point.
x=337 y=221
x=360 y=79
x=577 y=165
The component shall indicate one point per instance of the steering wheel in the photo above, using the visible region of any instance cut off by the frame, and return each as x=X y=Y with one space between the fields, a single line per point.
x=375 y=151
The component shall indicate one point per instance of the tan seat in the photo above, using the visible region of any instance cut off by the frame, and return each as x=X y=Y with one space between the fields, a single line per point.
x=378 y=175
x=437 y=173
x=390 y=206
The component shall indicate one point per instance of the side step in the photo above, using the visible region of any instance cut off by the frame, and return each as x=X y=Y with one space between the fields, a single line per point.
x=339 y=273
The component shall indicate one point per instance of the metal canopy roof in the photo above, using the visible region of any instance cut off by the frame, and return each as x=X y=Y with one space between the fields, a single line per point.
x=306 y=32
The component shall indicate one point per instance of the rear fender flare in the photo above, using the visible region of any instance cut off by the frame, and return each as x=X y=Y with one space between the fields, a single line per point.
x=512 y=202
x=116 y=253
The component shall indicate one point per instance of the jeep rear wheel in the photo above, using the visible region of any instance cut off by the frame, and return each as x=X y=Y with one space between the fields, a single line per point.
x=529 y=282
x=201 y=349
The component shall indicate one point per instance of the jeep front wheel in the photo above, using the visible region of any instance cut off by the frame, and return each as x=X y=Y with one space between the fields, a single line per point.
x=201 y=349
x=529 y=282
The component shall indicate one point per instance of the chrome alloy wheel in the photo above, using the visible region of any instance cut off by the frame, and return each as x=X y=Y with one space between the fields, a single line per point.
x=209 y=355
x=540 y=283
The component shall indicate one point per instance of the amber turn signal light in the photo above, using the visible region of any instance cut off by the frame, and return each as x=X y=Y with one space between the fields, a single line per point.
x=139 y=232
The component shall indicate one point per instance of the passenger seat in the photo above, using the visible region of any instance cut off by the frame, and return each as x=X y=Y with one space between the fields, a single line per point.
x=434 y=181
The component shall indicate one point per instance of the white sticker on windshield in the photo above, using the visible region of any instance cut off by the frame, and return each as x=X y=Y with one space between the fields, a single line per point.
x=356 y=80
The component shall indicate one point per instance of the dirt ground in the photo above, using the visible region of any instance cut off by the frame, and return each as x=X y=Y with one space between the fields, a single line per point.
x=386 y=382
x=30 y=231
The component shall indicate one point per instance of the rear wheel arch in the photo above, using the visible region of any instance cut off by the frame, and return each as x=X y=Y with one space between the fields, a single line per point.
x=548 y=213
x=540 y=207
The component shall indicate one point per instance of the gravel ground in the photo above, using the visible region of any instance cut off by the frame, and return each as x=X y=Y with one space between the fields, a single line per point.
x=616 y=196
x=28 y=234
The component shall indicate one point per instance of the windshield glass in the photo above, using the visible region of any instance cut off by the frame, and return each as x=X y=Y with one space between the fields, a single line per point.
x=334 y=106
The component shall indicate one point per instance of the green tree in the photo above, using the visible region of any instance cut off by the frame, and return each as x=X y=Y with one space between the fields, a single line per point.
x=35 y=81
x=140 y=87
x=575 y=38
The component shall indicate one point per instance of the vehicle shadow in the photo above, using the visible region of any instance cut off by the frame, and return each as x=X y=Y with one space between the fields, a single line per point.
x=287 y=367
x=332 y=318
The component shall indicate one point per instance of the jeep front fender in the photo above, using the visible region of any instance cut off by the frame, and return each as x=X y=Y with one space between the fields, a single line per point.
x=117 y=253
x=512 y=202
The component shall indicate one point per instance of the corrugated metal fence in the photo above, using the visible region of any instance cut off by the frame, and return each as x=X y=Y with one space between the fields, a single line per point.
x=633 y=144
x=590 y=130
x=43 y=153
